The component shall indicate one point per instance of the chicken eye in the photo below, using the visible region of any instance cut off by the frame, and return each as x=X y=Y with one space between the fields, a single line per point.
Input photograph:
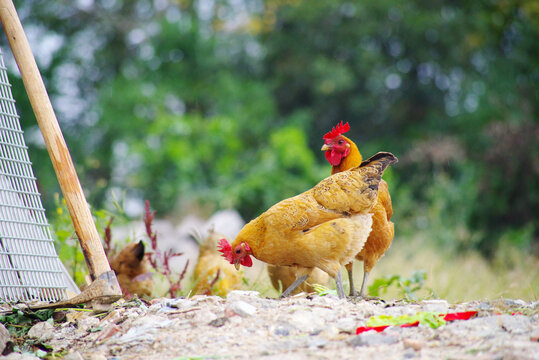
x=341 y=142
x=238 y=251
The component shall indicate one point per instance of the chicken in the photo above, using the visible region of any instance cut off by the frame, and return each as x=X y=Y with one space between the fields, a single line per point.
x=283 y=276
x=133 y=271
x=213 y=274
x=324 y=227
x=343 y=154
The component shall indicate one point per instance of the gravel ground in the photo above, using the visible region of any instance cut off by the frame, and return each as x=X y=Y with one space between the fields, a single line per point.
x=244 y=325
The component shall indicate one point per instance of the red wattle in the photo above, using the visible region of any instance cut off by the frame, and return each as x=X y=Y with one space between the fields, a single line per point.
x=334 y=157
x=247 y=261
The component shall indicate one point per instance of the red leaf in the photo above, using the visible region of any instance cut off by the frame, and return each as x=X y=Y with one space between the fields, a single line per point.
x=362 y=329
x=459 y=316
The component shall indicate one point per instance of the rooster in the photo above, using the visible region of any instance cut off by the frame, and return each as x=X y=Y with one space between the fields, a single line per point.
x=213 y=275
x=132 y=270
x=343 y=154
x=324 y=227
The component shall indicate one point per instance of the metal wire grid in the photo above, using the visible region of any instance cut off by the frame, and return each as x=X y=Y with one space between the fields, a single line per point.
x=29 y=266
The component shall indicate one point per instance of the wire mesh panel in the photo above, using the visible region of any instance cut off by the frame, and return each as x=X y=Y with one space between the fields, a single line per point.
x=29 y=266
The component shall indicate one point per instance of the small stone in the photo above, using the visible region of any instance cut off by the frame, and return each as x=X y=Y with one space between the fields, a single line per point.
x=108 y=331
x=317 y=342
x=306 y=321
x=180 y=303
x=437 y=306
x=87 y=323
x=74 y=355
x=113 y=316
x=409 y=354
x=229 y=312
x=347 y=325
x=517 y=302
x=157 y=301
x=4 y=337
x=484 y=306
x=219 y=321
x=156 y=307
x=98 y=356
x=372 y=339
x=518 y=324
x=242 y=308
x=19 y=356
x=412 y=344
x=43 y=331
x=283 y=330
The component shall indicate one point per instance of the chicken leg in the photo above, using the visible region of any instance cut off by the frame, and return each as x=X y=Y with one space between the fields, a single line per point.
x=294 y=286
x=349 y=269
x=363 y=284
x=340 y=289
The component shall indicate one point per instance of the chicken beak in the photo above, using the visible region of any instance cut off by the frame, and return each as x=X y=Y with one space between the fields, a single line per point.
x=237 y=265
x=325 y=147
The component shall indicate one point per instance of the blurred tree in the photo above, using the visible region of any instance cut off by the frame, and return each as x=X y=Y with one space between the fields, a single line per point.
x=224 y=103
x=450 y=86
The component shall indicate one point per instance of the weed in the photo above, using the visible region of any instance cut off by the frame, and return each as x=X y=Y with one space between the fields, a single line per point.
x=160 y=261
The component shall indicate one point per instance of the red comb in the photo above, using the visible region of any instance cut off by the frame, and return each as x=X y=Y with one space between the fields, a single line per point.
x=226 y=249
x=337 y=130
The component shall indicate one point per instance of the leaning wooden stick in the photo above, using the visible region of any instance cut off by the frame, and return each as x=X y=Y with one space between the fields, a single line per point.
x=79 y=210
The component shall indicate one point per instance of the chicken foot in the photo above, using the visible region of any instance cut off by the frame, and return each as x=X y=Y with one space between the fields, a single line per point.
x=294 y=286
x=353 y=292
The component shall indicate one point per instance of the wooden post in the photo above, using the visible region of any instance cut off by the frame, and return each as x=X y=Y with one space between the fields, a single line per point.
x=63 y=165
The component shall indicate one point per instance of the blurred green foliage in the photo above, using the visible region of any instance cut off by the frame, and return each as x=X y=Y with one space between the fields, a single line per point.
x=205 y=104
x=407 y=287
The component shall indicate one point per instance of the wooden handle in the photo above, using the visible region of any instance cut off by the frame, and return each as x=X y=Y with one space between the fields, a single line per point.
x=61 y=160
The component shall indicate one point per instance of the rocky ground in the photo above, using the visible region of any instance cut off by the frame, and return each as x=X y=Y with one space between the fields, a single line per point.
x=244 y=325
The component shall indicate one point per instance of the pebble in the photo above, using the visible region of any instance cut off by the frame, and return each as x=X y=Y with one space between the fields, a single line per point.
x=283 y=329
x=85 y=324
x=306 y=321
x=372 y=338
x=413 y=344
x=74 y=355
x=518 y=324
x=242 y=308
x=347 y=325
x=43 y=331
x=180 y=303
x=4 y=337
x=18 y=356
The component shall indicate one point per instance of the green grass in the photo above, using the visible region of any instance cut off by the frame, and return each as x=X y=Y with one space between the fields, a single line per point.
x=459 y=277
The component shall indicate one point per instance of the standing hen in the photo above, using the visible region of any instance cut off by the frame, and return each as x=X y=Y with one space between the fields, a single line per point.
x=343 y=154
x=324 y=227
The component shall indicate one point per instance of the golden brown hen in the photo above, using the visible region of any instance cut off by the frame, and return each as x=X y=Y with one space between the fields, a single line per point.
x=324 y=227
x=133 y=271
x=343 y=154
